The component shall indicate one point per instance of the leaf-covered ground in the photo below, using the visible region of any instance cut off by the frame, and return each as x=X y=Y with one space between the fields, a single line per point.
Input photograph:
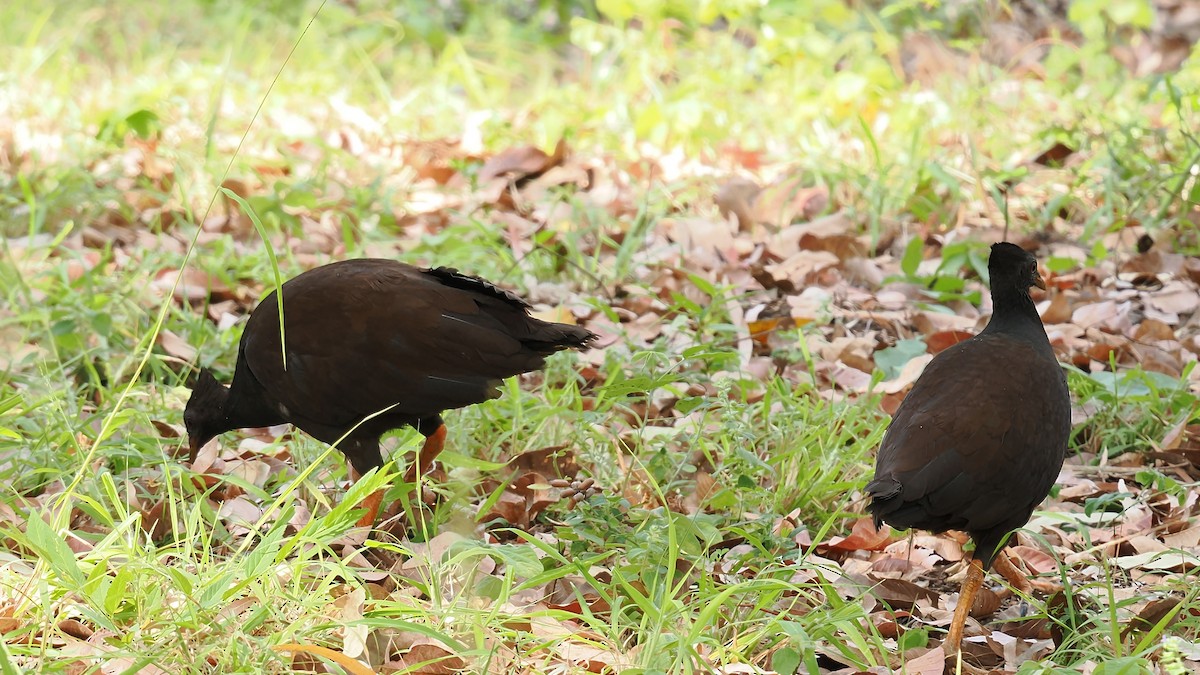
x=773 y=220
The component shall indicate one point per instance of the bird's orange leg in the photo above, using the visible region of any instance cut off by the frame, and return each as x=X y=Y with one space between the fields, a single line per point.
x=1019 y=580
x=966 y=600
x=1004 y=567
x=371 y=503
x=434 y=443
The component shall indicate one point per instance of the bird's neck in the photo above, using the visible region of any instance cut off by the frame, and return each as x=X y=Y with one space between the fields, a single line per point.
x=246 y=405
x=243 y=412
x=1014 y=313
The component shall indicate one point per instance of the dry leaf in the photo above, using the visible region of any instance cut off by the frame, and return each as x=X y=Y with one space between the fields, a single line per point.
x=521 y=161
x=902 y=594
x=736 y=197
x=863 y=537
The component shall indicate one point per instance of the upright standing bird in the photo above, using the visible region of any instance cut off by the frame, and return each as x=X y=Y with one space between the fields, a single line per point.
x=978 y=442
x=374 y=345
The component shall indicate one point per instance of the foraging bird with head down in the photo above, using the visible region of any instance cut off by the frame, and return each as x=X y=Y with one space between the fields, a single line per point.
x=373 y=345
x=979 y=441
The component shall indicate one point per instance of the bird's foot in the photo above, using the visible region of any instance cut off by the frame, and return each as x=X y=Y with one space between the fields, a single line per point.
x=956 y=663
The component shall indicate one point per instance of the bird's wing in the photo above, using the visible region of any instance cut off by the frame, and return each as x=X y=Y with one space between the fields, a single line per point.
x=390 y=335
x=970 y=437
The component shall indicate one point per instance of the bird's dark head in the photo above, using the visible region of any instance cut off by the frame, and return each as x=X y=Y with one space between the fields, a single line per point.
x=204 y=417
x=1012 y=268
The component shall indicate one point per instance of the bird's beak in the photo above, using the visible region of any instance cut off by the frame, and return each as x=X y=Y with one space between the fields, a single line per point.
x=193 y=449
x=1039 y=281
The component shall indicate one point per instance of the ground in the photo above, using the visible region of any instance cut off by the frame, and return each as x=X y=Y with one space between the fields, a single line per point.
x=773 y=218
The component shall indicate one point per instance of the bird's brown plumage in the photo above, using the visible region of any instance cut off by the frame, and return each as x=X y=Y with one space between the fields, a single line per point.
x=960 y=456
x=977 y=443
x=374 y=336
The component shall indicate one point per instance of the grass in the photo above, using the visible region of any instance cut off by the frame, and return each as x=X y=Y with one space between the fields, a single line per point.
x=644 y=581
